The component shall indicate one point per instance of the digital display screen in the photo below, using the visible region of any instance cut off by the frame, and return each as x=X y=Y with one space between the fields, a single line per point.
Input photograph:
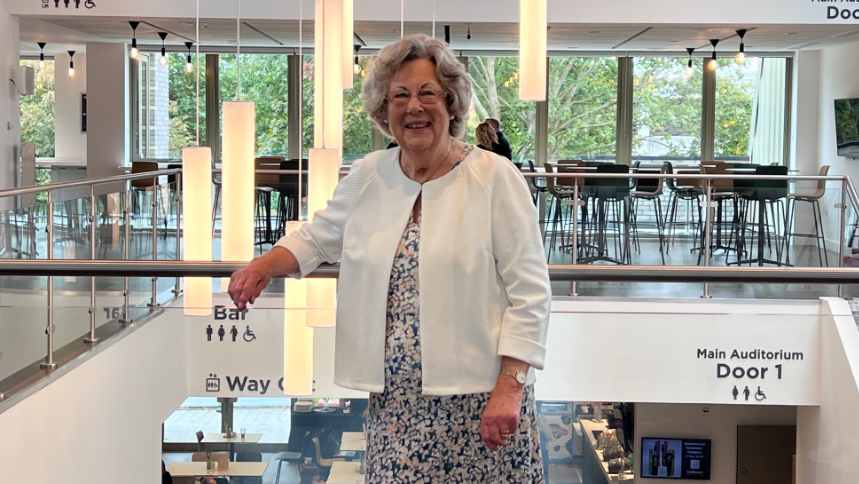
x=675 y=458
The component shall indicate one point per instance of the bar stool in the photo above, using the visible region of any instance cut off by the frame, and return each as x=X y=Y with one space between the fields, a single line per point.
x=289 y=206
x=763 y=192
x=688 y=191
x=556 y=216
x=265 y=184
x=608 y=194
x=649 y=189
x=819 y=235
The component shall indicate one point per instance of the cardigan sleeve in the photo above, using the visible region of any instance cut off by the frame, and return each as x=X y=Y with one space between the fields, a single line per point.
x=521 y=264
x=322 y=240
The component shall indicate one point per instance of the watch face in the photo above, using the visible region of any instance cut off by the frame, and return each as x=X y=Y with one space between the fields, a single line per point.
x=521 y=377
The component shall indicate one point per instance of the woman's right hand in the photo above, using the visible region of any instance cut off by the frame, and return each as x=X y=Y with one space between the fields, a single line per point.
x=247 y=284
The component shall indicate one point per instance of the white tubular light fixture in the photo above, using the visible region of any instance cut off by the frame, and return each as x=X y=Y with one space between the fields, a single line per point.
x=533 y=55
x=237 y=221
x=297 y=336
x=323 y=175
x=348 y=35
x=197 y=230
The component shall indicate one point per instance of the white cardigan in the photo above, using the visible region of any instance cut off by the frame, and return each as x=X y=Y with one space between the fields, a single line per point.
x=484 y=283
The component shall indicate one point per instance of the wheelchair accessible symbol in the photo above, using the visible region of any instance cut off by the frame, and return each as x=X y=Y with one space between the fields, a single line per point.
x=760 y=396
x=249 y=335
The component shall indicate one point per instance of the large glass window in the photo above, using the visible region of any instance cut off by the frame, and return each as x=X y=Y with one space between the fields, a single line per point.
x=265 y=82
x=750 y=101
x=357 y=129
x=37 y=111
x=667 y=109
x=165 y=106
x=582 y=108
x=495 y=81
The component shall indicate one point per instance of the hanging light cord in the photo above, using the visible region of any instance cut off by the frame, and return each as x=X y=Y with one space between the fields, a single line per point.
x=300 y=103
x=238 y=50
x=197 y=142
x=402 y=17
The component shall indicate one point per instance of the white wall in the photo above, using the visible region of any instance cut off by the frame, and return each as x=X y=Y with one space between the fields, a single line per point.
x=839 y=71
x=828 y=435
x=108 y=111
x=71 y=143
x=805 y=136
x=10 y=124
x=101 y=422
x=719 y=425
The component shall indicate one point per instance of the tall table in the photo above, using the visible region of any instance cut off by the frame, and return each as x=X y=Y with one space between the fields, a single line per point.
x=345 y=473
x=236 y=469
x=219 y=438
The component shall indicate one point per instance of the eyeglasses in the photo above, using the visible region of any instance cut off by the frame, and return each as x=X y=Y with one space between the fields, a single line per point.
x=425 y=96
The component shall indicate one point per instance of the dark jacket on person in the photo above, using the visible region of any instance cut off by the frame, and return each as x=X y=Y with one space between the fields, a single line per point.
x=502 y=147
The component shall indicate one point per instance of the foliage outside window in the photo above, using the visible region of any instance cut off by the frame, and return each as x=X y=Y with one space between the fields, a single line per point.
x=37 y=111
x=750 y=110
x=357 y=129
x=165 y=111
x=495 y=81
x=666 y=108
x=582 y=107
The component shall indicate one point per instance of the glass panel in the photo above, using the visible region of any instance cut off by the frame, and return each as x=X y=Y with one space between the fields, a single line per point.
x=582 y=108
x=307 y=104
x=667 y=110
x=750 y=100
x=165 y=114
x=265 y=83
x=495 y=81
x=195 y=414
x=270 y=417
x=37 y=111
x=357 y=129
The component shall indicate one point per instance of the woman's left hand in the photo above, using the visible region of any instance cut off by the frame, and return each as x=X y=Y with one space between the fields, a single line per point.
x=501 y=414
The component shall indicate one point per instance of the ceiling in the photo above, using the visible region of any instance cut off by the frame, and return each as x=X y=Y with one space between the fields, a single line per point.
x=63 y=33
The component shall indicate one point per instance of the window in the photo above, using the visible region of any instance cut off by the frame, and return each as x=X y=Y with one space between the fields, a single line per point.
x=357 y=128
x=265 y=83
x=495 y=81
x=750 y=101
x=582 y=107
x=666 y=109
x=37 y=111
x=165 y=112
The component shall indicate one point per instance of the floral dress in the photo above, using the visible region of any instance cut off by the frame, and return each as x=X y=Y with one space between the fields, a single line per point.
x=416 y=438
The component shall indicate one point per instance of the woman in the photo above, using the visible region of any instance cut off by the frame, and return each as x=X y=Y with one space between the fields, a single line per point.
x=486 y=137
x=448 y=359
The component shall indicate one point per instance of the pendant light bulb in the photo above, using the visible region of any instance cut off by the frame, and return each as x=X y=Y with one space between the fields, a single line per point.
x=189 y=67
x=469 y=32
x=356 y=68
x=71 y=63
x=689 y=70
x=163 y=60
x=134 y=52
x=42 y=55
x=740 y=59
x=713 y=64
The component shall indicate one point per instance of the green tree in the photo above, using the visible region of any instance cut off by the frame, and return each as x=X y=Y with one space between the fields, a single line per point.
x=37 y=111
x=183 y=103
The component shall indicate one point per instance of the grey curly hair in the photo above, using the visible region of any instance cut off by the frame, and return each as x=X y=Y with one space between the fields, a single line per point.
x=451 y=73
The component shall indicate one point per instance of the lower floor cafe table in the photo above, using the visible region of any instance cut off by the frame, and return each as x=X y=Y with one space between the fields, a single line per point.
x=236 y=469
x=219 y=438
x=345 y=473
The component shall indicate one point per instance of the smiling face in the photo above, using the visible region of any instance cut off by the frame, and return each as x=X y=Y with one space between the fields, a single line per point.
x=417 y=126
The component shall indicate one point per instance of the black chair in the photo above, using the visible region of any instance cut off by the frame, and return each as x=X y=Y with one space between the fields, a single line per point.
x=686 y=191
x=289 y=206
x=756 y=198
x=609 y=195
x=649 y=189
x=536 y=187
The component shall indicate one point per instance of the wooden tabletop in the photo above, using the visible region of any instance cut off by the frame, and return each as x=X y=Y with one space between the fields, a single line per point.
x=353 y=441
x=218 y=438
x=198 y=469
x=345 y=473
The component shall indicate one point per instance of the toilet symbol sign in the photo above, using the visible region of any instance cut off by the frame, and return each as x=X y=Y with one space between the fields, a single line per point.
x=233 y=332
x=760 y=396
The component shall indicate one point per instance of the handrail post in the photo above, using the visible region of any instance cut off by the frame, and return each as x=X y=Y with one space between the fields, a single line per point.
x=177 y=288
x=156 y=188
x=92 y=223
x=843 y=209
x=49 y=330
x=708 y=219
x=573 y=284
x=127 y=216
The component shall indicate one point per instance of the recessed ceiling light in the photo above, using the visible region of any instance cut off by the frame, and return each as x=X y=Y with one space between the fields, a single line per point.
x=792 y=33
x=192 y=24
x=673 y=41
x=595 y=31
x=572 y=47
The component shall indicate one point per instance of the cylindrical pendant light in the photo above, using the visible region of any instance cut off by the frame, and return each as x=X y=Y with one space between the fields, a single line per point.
x=237 y=220
x=348 y=36
x=328 y=81
x=134 y=52
x=197 y=228
x=323 y=176
x=533 y=55
x=42 y=55
x=297 y=336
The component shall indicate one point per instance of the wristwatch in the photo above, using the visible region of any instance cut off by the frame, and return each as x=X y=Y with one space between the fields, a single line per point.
x=520 y=376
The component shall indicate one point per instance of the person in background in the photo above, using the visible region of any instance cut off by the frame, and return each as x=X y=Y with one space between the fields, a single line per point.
x=448 y=357
x=502 y=147
x=486 y=137
x=166 y=478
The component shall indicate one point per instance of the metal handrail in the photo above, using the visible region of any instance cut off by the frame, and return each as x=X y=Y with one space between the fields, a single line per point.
x=559 y=272
x=12 y=192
